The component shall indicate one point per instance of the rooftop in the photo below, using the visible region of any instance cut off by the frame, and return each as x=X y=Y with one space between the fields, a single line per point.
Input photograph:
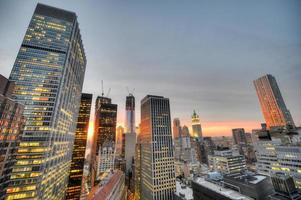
x=58 y=13
x=247 y=178
x=219 y=189
x=147 y=97
x=106 y=186
x=183 y=191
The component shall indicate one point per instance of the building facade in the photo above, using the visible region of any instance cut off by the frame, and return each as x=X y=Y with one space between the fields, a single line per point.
x=103 y=147
x=284 y=187
x=205 y=189
x=157 y=156
x=185 y=147
x=49 y=73
x=79 y=148
x=137 y=171
x=272 y=104
x=196 y=126
x=130 y=143
x=130 y=126
x=256 y=186
x=239 y=136
x=11 y=125
x=274 y=157
x=176 y=129
x=227 y=162
x=266 y=155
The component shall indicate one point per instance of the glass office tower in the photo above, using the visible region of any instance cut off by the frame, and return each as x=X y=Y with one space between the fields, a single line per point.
x=48 y=73
x=158 y=180
x=272 y=104
x=11 y=124
x=79 y=148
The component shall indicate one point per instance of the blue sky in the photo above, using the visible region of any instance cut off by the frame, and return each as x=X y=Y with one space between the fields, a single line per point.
x=203 y=55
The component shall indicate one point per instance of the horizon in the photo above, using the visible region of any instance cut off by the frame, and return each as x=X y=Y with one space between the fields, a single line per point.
x=201 y=57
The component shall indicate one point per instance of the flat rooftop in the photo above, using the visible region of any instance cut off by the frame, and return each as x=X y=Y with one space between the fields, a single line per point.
x=187 y=191
x=223 y=191
x=247 y=179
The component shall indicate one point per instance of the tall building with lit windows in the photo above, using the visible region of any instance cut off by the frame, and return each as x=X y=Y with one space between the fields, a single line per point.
x=196 y=126
x=157 y=156
x=273 y=156
x=79 y=148
x=48 y=73
x=103 y=147
x=197 y=137
x=272 y=104
x=11 y=124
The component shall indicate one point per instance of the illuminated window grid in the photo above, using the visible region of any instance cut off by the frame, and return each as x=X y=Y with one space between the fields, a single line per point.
x=50 y=86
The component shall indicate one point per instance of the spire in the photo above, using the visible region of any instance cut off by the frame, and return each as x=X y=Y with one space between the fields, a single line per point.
x=194 y=115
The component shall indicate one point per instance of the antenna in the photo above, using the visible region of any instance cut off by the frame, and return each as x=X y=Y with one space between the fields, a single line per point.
x=102 y=88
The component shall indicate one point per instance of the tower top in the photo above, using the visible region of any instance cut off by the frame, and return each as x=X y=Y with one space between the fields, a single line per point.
x=194 y=115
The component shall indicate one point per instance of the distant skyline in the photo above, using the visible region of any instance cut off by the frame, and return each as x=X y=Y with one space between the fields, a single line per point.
x=202 y=55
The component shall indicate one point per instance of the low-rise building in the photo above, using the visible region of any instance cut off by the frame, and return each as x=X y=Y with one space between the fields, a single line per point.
x=265 y=155
x=111 y=187
x=285 y=188
x=274 y=156
x=106 y=158
x=205 y=189
x=226 y=162
x=256 y=186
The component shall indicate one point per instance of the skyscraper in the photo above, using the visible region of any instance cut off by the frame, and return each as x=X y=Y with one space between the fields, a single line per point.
x=196 y=126
x=49 y=73
x=103 y=147
x=197 y=136
x=129 y=150
x=79 y=148
x=177 y=138
x=185 y=131
x=187 y=148
x=176 y=128
x=130 y=126
x=130 y=134
x=157 y=156
x=11 y=124
x=272 y=104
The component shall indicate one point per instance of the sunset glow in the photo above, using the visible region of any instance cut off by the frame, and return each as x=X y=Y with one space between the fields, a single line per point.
x=91 y=130
x=224 y=128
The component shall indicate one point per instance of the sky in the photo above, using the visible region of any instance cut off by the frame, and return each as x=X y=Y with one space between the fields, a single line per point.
x=202 y=55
